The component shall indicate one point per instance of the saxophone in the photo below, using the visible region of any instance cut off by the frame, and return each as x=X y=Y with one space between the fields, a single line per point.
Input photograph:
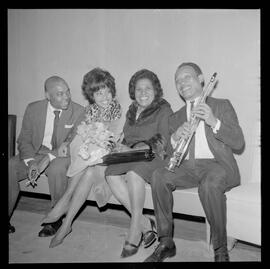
x=183 y=144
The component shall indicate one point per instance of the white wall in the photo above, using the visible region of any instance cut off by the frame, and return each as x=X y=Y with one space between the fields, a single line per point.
x=70 y=42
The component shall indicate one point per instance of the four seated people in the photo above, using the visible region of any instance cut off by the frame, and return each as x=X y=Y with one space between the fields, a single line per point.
x=74 y=141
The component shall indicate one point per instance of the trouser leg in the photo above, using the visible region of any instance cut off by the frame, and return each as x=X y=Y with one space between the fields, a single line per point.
x=17 y=171
x=163 y=183
x=212 y=195
x=57 y=179
x=163 y=203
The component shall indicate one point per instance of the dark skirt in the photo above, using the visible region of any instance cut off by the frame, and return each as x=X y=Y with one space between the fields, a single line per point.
x=143 y=169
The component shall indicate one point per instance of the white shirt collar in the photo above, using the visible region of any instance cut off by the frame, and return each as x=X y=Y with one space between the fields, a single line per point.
x=196 y=101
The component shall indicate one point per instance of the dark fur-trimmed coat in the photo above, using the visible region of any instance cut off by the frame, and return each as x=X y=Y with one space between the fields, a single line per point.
x=152 y=121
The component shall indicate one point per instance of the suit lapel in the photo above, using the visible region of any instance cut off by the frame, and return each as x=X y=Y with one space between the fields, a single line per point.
x=64 y=119
x=42 y=120
x=208 y=131
x=183 y=116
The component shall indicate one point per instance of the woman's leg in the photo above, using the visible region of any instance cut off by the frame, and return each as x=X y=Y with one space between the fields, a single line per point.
x=78 y=198
x=136 y=187
x=62 y=205
x=119 y=189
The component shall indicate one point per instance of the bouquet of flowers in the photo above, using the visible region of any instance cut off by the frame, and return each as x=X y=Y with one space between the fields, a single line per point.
x=97 y=140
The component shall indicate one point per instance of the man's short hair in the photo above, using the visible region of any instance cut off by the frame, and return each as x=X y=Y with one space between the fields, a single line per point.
x=195 y=67
x=53 y=80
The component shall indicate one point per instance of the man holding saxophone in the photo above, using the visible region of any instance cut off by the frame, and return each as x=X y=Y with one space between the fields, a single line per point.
x=207 y=161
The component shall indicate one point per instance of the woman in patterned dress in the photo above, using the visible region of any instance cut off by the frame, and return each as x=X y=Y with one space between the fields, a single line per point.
x=99 y=89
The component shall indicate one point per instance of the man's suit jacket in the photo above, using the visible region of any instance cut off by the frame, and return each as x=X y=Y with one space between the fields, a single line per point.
x=33 y=126
x=228 y=138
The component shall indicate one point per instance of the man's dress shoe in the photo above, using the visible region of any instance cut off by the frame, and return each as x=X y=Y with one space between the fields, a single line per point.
x=162 y=252
x=222 y=255
x=50 y=229
x=11 y=229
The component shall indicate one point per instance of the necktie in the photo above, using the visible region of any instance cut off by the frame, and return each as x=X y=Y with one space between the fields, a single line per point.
x=55 y=123
x=192 y=142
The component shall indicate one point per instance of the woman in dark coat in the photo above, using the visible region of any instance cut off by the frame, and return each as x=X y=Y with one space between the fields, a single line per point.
x=146 y=119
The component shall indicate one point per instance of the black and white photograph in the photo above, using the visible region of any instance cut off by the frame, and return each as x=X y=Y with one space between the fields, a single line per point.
x=134 y=135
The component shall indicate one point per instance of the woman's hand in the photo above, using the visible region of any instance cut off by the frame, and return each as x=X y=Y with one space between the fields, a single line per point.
x=140 y=145
x=121 y=148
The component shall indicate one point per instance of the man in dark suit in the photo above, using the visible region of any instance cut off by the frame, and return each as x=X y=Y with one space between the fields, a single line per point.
x=46 y=125
x=210 y=165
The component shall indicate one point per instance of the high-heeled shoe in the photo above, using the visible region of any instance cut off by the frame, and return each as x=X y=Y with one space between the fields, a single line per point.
x=48 y=219
x=130 y=251
x=150 y=236
x=59 y=213
x=54 y=242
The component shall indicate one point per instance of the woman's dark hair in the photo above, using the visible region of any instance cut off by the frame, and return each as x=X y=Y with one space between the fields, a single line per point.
x=95 y=80
x=141 y=74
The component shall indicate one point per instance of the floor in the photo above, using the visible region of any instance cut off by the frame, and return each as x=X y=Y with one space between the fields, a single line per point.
x=97 y=236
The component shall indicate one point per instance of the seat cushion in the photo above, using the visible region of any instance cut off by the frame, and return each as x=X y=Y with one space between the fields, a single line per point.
x=249 y=192
x=244 y=213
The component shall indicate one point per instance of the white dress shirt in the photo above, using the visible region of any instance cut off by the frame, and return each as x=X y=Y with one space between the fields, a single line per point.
x=48 y=130
x=49 y=126
x=202 y=150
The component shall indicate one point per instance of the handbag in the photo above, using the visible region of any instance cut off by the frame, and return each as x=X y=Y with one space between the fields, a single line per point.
x=139 y=155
